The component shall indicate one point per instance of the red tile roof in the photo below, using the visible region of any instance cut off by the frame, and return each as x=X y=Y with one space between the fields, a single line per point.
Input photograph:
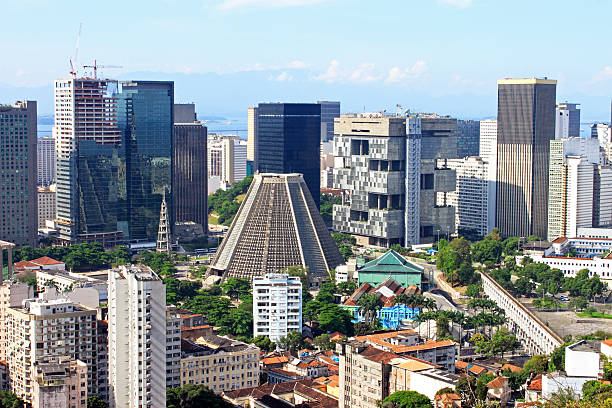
x=45 y=260
x=24 y=264
x=536 y=383
x=512 y=368
x=607 y=342
x=559 y=240
x=274 y=360
x=390 y=283
x=499 y=382
x=378 y=355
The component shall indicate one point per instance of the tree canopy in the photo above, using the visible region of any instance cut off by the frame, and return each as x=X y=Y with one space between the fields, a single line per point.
x=407 y=399
x=194 y=396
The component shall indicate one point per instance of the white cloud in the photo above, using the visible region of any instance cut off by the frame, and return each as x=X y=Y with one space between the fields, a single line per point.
x=397 y=74
x=282 y=77
x=603 y=75
x=365 y=72
x=297 y=64
x=237 y=4
x=456 y=3
x=332 y=74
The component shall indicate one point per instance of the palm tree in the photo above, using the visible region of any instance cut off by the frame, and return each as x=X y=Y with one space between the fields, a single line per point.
x=369 y=304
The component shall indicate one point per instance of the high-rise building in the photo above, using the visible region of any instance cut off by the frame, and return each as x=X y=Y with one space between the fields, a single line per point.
x=488 y=141
x=190 y=164
x=173 y=347
x=370 y=163
x=46 y=205
x=289 y=140
x=412 y=211
x=277 y=305
x=252 y=135
x=474 y=198
x=525 y=126
x=19 y=216
x=136 y=338
x=567 y=120
x=438 y=141
x=468 y=138
x=46 y=160
x=227 y=159
x=573 y=191
x=114 y=154
x=277 y=226
x=42 y=331
x=12 y=294
x=329 y=111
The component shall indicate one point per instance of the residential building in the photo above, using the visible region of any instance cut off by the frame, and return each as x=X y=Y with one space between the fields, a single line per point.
x=567 y=120
x=45 y=160
x=226 y=159
x=288 y=394
x=277 y=306
x=18 y=178
x=42 y=331
x=65 y=281
x=220 y=364
x=390 y=316
x=468 y=138
x=392 y=265
x=474 y=198
x=329 y=111
x=499 y=391
x=46 y=205
x=288 y=141
x=437 y=181
x=137 y=338
x=12 y=294
x=252 y=135
x=576 y=184
x=370 y=163
x=190 y=183
x=424 y=378
x=173 y=347
x=102 y=357
x=582 y=362
x=114 y=158
x=59 y=384
x=277 y=226
x=525 y=127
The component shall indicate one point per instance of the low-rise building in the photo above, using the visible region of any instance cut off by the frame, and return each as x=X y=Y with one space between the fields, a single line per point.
x=59 y=384
x=449 y=400
x=288 y=394
x=391 y=265
x=65 y=281
x=499 y=390
x=219 y=363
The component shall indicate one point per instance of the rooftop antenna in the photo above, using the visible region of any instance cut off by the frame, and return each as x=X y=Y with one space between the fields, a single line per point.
x=399 y=109
x=95 y=67
x=73 y=62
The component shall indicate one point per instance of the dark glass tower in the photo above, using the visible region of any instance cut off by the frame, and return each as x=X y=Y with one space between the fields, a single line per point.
x=525 y=127
x=289 y=139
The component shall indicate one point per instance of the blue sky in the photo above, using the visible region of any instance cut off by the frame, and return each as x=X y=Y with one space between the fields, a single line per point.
x=443 y=55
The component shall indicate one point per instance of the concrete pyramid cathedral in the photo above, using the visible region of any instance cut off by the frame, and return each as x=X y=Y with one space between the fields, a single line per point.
x=277 y=226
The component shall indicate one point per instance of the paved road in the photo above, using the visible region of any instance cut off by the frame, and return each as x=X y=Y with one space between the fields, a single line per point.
x=441 y=301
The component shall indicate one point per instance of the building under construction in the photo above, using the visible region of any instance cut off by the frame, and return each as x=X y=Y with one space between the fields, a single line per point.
x=277 y=226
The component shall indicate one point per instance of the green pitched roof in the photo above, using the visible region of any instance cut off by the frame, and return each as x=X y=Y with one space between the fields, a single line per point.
x=391 y=261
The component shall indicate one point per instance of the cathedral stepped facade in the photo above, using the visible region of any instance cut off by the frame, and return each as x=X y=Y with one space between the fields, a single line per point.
x=277 y=226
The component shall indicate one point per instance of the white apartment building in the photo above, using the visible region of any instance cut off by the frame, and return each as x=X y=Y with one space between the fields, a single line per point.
x=173 y=347
x=46 y=205
x=60 y=384
x=45 y=331
x=277 y=305
x=45 y=149
x=136 y=338
x=227 y=156
x=252 y=133
x=474 y=197
x=579 y=187
x=12 y=293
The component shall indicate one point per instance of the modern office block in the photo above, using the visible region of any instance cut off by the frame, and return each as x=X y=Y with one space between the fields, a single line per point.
x=329 y=111
x=567 y=120
x=252 y=135
x=525 y=126
x=136 y=338
x=277 y=305
x=184 y=113
x=42 y=331
x=227 y=159
x=189 y=167
x=277 y=226
x=46 y=205
x=488 y=140
x=45 y=156
x=114 y=158
x=370 y=161
x=18 y=174
x=412 y=211
x=468 y=138
x=289 y=140
x=474 y=198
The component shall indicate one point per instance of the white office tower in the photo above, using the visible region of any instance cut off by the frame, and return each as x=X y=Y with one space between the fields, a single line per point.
x=579 y=187
x=136 y=338
x=227 y=156
x=413 y=181
x=474 y=197
x=567 y=121
x=277 y=305
x=45 y=152
x=252 y=133
x=488 y=140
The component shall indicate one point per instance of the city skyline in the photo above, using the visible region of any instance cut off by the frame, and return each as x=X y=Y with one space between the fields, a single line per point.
x=372 y=60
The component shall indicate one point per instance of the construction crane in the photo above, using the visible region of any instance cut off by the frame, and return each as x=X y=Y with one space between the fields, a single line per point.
x=95 y=67
x=73 y=62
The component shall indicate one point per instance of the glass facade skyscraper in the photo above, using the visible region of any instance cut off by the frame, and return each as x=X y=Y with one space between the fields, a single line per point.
x=329 y=111
x=468 y=138
x=114 y=153
x=289 y=140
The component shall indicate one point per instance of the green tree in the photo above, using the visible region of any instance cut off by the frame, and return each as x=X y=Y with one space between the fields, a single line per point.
x=369 y=304
x=407 y=399
x=347 y=288
x=442 y=322
x=557 y=358
x=524 y=286
x=301 y=273
x=537 y=364
x=578 y=303
x=10 y=400
x=452 y=256
x=94 y=401
x=510 y=245
x=326 y=205
x=264 y=343
x=481 y=386
x=473 y=291
x=487 y=250
x=332 y=318
x=326 y=293
x=292 y=342
x=594 y=389
x=323 y=342
x=236 y=287
x=194 y=396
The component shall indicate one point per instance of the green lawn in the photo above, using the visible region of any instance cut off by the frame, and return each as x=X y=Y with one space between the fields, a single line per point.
x=213 y=218
x=595 y=314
